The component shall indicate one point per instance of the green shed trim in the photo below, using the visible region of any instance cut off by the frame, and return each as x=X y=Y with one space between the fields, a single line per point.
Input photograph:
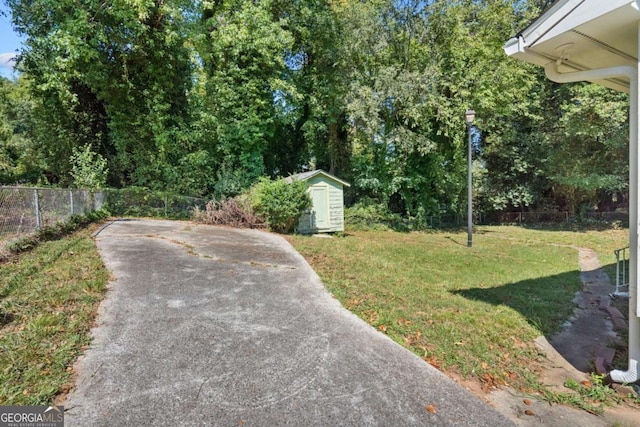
x=305 y=176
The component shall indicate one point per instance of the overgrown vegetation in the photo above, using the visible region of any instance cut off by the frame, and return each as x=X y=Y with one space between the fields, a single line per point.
x=203 y=98
x=276 y=204
x=49 y=233
x=280 y=202
x=48 y=300
x=141 y=202
x=472 y=312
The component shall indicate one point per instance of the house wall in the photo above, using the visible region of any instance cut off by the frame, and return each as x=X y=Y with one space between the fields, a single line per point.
x=335 y=205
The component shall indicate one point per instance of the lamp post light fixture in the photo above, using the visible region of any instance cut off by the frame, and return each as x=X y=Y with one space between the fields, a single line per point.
x=469 y=117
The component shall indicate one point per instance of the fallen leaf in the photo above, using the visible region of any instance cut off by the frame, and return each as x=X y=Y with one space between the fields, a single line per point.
x=382 y=328
x=432 y=408
x=530 y=413
x=527 y=402
x=432 y=361
x=586 y=383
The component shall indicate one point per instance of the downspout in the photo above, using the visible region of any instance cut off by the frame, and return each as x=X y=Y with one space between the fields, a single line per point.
x=631 y=375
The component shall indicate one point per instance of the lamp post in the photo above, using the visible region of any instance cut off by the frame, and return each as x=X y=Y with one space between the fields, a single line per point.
x=469 y=116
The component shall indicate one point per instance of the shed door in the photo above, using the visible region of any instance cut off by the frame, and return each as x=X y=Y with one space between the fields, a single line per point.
x=320 y=207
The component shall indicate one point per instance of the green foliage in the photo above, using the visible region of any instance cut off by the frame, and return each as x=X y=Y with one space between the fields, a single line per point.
x=114 y=76
x=589 y=147
x=280 y=202
x=369 y=215
x=88 y=168
x=203 y=98
x=143 y=202
x=241 y=46
x=56 y=231
x=21 y=159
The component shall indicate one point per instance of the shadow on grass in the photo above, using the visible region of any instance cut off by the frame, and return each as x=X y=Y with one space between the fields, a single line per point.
x=545 y=302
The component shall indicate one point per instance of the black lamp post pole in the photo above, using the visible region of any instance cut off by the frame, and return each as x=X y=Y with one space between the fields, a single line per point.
x=469 y=117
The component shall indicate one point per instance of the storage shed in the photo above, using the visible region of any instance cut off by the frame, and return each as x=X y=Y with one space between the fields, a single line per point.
x=327 y=203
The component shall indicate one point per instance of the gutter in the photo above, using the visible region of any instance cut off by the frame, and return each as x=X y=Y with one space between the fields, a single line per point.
x=568 y=4
x=533 y=32
x=630 y=72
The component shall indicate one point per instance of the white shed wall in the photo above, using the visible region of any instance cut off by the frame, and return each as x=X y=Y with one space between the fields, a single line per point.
x=335 y=206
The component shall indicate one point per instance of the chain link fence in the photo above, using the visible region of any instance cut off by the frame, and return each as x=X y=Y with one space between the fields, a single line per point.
x=140 y=202
x=26 y=210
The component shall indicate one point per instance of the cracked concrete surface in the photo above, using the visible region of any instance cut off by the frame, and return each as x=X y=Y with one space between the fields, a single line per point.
x=221 y=327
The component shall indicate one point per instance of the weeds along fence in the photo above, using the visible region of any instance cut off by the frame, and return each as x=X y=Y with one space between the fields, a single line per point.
x=135 y=201
x=26 y=210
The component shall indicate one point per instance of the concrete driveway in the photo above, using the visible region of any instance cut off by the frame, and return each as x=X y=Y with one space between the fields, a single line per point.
x=208 y=326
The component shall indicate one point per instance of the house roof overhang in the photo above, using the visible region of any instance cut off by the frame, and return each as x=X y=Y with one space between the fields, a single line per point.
x=595 y=41
x=582 y=35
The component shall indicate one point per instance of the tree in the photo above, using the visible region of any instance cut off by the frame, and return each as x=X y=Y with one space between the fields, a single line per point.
x=242 y=66
x=588 y=149
x=206 y=97
x=20 y=157
x=88 y=169
x=112 y=75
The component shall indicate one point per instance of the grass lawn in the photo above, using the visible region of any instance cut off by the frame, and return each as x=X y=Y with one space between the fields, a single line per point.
x=468 y=311
x=48 y=300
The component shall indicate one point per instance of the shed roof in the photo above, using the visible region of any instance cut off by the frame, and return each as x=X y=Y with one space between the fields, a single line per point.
x=581 y=35
x=304 y=176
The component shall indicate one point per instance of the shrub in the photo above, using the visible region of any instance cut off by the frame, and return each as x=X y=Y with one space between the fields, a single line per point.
x=370 y=215
x=280 y=202
x=89 y=169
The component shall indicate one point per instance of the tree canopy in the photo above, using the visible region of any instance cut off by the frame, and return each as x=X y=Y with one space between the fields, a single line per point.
x=206 y=97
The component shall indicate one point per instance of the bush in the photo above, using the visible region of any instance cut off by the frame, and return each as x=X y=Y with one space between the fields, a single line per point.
x=280 y=202
x=370 y=215
x=89 y=169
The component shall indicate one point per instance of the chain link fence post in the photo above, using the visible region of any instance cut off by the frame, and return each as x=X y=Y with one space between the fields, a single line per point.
x=36 y=204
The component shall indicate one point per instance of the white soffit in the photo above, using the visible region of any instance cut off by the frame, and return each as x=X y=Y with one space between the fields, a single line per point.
x=582 y=35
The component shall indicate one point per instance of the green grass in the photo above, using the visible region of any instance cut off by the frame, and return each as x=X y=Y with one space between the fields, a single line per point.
x=468 y=311
x=48 y=300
